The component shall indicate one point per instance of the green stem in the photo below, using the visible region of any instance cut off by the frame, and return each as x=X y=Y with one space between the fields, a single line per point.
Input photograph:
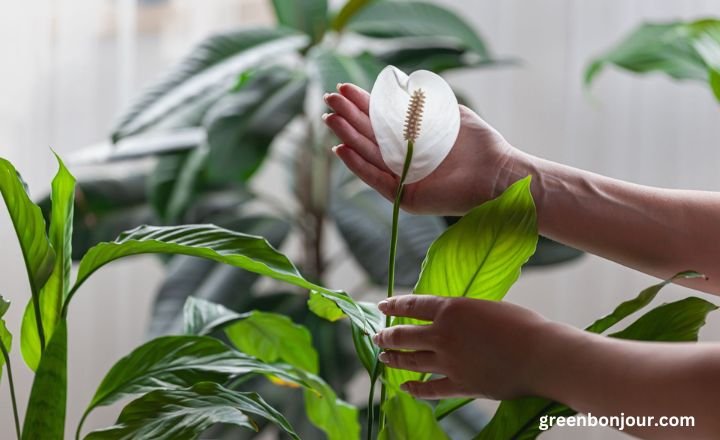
x=371 y=400
x=391 y=262
x=11 y=384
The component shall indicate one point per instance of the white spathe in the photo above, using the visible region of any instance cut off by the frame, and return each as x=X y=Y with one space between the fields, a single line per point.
x=440 y=126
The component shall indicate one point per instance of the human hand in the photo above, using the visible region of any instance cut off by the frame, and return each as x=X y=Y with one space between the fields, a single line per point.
x=468 y=176
x=482 y=348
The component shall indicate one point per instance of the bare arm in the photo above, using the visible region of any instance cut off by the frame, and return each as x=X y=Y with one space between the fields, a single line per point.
x=657 y=231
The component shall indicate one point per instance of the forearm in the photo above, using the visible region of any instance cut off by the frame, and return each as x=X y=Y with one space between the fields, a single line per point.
x=657 y=231
x=607 y=377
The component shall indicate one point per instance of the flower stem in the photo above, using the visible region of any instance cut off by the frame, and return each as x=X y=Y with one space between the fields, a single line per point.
x=11 y=384
x=391 y=262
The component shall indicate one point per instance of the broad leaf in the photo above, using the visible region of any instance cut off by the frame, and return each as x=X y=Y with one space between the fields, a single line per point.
x=208 y=70
x=174 y=183
x=629 y=307
x=338 y=419
x=481 y=255
x=324 y=308
x=29 y=226
x=271 y=338
x=5 y=336
x=207 y=280
x=177 y=414
x=682 y=50
x=243 y=124
x=57 y=286
x=309 y=16
x=408 y=418
x=676 y=321
x=211 y=242
x=364 y=221
x=328 y=68
x=202 y=317
x=45 y=416
x=416 y=19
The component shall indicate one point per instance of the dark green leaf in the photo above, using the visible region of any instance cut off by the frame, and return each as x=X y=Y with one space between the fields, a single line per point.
x=629 y=307
x=242 y=125
x=408 y=418
x=676 y=321
x=204 y=75
x=682 y=50
x=211 y=281
x=364 y=221
x=202 y=317
x=177 y=414
x=309 y=16
x=174 y=183
x=271 y=338
x=349 y=9
x=29 y=226
x=328 y=68
x=416 y=19
x=57 y=286
x=45 y=416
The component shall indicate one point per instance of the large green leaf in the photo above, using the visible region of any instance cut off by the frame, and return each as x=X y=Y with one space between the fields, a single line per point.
x=45 y=415
x=309 y=16
x=675 y=322
x=481 y=255
x=57 y=286
x=349 y=9
x=328 y=68
x=271 y=337
x=410 y=419
x=5 y=336
x=204 y=75
x=29 y=226
x=242 y=125
x=416 y=19
x=177 y=414
x=682 y=50
x=214 y=243
x=364 y=219
x=174 y=183
x=201 y=317
x=338 y=419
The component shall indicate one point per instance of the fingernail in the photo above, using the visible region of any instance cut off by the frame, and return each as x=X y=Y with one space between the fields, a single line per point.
x=335 y=148
x=325 y=116
x=384 y=357
x=338 y=86
x=383 y=305
x=376 y=338
x=326 y=96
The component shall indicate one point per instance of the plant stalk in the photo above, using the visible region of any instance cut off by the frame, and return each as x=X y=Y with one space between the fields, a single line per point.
x=391 y=262
x=11 y=384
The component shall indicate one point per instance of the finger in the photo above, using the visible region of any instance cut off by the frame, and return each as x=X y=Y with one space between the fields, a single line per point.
x=379 y=180
x=433 y=389
x=356 y=95
x=405 y=337
x=424 y=307
x=420 y=361
x=350 y=136
x=356 y=117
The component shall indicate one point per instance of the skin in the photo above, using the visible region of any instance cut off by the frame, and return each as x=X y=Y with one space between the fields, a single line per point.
x=657 y=231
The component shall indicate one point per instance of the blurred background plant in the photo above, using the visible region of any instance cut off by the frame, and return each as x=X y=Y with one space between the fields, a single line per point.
x=251 y=98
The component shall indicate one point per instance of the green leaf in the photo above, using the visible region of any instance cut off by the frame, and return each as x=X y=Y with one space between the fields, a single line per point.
x=338 y=419
x=181 y=361
x=364 y=221
x=208 y=280
x=349 y=9
x=447 y=406
x=57 y=286
x=327 y=68
x=676 y=321
x=5 y=335
x=29 y=226
x=242 y=125
x=629 y=307
x=45 y=416
x=211 y=242
x=416 y=19
x=174 y=183
x=408 y=418
x=203 y=76
x=682 y=50
x=176 y=414
x=324 y=308
x=481 y=255
x=203 y=317
x=271 y=338
x=309 y=16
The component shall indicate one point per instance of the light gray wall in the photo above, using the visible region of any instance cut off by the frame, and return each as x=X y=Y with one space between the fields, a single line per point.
x=67 y=65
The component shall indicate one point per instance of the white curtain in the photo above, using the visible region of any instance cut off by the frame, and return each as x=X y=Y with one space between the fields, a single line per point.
x=67 y=66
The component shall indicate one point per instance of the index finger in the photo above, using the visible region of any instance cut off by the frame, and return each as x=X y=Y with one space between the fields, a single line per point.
x=423 y=307
x=356 y=95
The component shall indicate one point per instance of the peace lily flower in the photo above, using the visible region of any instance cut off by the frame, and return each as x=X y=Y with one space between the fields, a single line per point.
x=437 y=127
